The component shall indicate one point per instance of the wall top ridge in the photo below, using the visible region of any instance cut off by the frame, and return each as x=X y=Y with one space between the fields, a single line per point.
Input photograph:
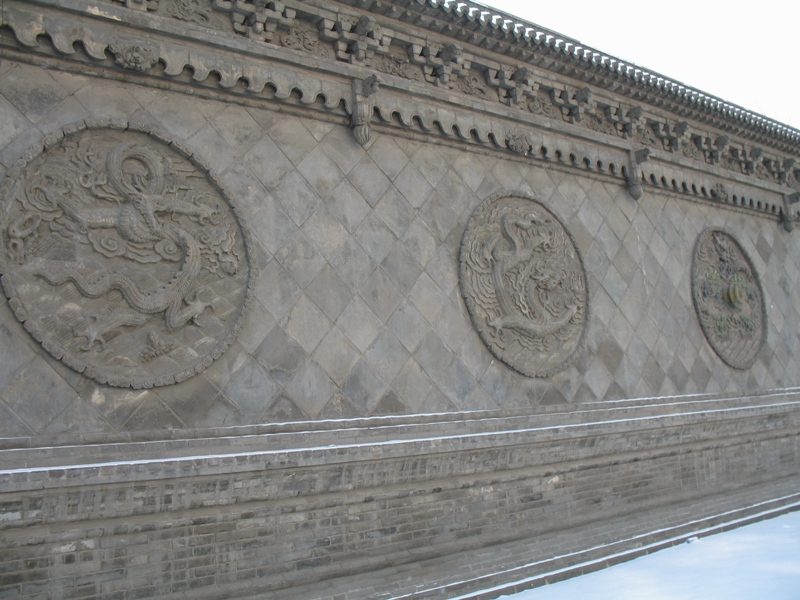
x=584 y=61
x=311 y=53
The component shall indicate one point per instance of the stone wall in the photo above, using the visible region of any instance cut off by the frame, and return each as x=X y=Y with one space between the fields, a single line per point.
x=356 y=306
x=322 y=413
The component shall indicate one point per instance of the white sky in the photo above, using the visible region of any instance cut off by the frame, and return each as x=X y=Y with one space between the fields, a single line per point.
x=745 y=53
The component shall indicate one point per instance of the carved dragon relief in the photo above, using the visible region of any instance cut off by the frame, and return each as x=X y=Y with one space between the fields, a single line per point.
x=728 y=298
x=123 y=258
x=524 y=284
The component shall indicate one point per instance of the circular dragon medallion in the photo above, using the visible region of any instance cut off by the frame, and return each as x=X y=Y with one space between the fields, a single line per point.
x=728 y=298
x=524 y=284
x=122 y=257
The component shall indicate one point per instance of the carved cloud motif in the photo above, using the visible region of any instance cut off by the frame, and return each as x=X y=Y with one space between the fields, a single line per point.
x=728 y=298
x=524 y=284
x=123 y=258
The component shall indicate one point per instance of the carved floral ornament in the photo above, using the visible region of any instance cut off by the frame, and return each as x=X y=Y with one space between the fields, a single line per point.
x=524 y=284
x=728 y=298
x=123 y=257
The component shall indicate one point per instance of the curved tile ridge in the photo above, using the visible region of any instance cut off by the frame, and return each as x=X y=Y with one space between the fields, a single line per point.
x=503 y=25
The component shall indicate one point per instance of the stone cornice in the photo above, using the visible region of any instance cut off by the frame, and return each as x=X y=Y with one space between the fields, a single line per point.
x=501 y=32
x=434 y=92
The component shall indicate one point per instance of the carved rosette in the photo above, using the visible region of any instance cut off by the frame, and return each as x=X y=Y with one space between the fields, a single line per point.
x=524 y=284
x=123 y=257
x=728 y=298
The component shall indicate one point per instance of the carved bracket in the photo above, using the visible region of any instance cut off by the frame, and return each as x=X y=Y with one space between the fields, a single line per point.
x=513 y=86
x=634 y=176
x=440 y=62
x=143 y=5
x=572 y=102
x=364 y=91
x=257 y=19
x=787 y=218
x=355 y=40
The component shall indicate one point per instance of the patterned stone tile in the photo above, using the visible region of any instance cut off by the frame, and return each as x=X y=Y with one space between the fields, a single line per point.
x=408 y=325
x=268 y=163
x=320 y=172
x=341 y=147
x=359 y=324
x=32 y=382
x=413 y=186
x=270 y=224
x=443 y=269
x=325 y=231
x=381 y=294
x=363 y=387
x=387 y=356
x=353 y=264
x=402 y=267
x=310 y=388
x=439 y=215
x=472 y=170
x=340 y=407
x=452 y=327
x=375 y=237
x=284 y=409
x=395 y=211
x=474 y=354
x=252 y=390
x=276 y=290
x=457 y=383
x=329 y=293
x=420 y=242
x=437 y=402
x=347 y=205
x=177 y=117
x=428 y=298
x=299 y=257
x=369 y=180
x=336 y=355
x=388 y=156
x=306 y=324
x=293 y=139
x=412 y=384
x=238 y=128
x=297 y=198
x=152 y=415
x=280 y=355
x=11 y=425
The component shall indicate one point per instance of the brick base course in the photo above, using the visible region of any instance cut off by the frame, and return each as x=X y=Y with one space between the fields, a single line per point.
x=500 y=492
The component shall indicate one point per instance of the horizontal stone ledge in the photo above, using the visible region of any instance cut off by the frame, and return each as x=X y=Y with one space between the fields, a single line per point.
x=555 y=440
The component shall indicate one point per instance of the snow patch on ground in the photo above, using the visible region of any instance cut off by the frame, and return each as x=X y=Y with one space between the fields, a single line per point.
x=759 y=561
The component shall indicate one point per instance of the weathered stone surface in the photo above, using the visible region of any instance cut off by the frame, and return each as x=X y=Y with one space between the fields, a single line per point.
x=359 y=439
x=123 y=259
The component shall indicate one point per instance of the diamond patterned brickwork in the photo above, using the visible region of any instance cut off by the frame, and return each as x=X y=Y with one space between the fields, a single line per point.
x=357 y=308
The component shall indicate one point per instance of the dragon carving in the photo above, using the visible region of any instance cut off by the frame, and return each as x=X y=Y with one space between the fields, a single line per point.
x=128 y=243
x=524 y=285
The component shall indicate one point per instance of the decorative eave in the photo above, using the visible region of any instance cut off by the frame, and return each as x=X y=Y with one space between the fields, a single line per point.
x=345 y=66
x=476 y=24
